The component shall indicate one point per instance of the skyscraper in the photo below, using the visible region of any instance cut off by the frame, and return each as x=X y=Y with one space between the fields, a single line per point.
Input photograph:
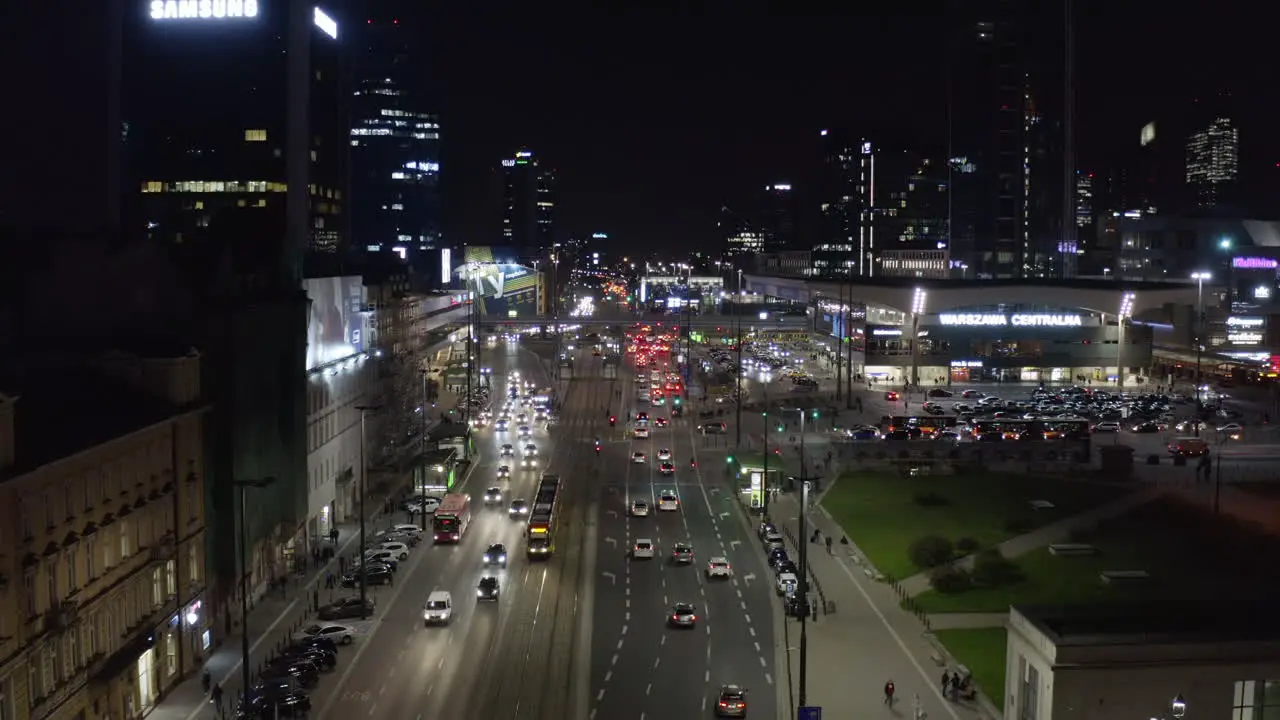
x=834 y=250
x=395 y=143
x=529 y=204
x=1213 y=164
x=778 y=217
x=987 y=127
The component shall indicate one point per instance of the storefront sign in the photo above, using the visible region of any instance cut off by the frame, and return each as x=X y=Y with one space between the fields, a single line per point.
x=203 y=9
x=1244 y=338
x=966 y=363
x=1255 y=263
x=1017 y=320
x=1246 y=322
x=886 y=332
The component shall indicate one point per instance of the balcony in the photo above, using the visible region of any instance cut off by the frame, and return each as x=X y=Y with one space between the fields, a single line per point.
x=61 y=617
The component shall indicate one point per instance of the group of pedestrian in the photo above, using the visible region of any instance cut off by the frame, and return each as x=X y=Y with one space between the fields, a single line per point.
x=958 y=687
x=215 y=692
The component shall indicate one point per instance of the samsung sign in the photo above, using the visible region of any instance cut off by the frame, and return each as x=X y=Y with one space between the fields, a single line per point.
x=1001 y=319
x=203 y=9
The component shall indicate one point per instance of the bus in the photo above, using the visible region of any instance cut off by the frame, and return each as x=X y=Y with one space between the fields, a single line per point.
x=995 y=430
x=928 y=425
x=452 y=518
x=540 y=536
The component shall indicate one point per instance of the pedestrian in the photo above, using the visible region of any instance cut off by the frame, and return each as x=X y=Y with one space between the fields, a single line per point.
x=917 y=710
x=828 y=544
x=216 y=698
x=888 y=693
x=946 y=682
x=205 y=680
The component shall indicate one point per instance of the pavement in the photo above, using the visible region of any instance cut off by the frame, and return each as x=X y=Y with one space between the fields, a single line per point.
x=640 y=667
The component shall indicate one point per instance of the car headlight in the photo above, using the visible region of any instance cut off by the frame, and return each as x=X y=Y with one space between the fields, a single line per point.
x=479 y=593
x=486 y=558
x=502 y=558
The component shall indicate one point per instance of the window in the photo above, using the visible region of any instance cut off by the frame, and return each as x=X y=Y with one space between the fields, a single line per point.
x=171 y=579
x=24 y=509
x=68 y=655
x=171 y=653
x=1255 y=700
x=51 y=582
x=157 y=587
x=49 y=517
x=1029 y=695
x=71 y=560
x=48 y=665
x=126 y=547
x=91 y=557
x=7 y=711
x=29 y=591
x=69 y=502
x=193 y=564
x=33 y=680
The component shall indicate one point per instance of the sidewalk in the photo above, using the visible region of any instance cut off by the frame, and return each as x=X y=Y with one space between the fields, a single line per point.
x=861 y=639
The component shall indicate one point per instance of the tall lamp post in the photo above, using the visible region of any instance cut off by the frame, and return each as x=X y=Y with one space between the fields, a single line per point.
x=917 y=309
x=1199 y=277
x=803 y=590
x=243 y=486
x=1126 y=310
x=362 y=489
x=737 y=310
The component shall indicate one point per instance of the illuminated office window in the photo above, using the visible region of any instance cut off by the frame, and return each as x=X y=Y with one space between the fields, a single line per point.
x=255 y=135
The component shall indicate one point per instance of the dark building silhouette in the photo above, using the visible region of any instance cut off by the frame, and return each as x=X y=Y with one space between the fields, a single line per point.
x=528 y=219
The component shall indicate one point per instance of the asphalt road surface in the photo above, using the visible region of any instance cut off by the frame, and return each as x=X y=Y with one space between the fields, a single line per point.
x=640 y=667
x=401 y=669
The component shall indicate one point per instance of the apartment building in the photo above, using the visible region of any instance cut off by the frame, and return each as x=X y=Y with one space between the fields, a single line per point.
x=102 y=572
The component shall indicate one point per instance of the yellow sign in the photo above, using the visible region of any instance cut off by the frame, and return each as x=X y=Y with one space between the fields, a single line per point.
x=783 y=336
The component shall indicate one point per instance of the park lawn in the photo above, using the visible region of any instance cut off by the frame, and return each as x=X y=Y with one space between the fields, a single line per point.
x=1189 y=553
x=983 y=651
x=879 y=512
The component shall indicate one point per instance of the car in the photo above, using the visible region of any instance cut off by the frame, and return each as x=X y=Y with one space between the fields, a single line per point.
x=502 y=425
x=643 y=549
x=496 y=554
x=682 y=553
x=530 y=450
x=318 y=643
x=487 y=589
x=504 y=472
x=349 y=607
x=664 y=454
x=639 y=508
x=785 y=566
x=323 y=659
x=642 y=417
x=400 y=549
x=667 y=469
x=638 y=458
x=731 y=702
x=683 y=615
x=373 y=574
x=493 y=495
x=773 y=540
x=787 y=584
x=525 y=431
x=390 y=558
x=518 y=508
x=1232 y=430
x=438 y=609
x=529 y=462
x=891 y=396
x=406 y=529
x=422 y=503
x=764 y=529
x=660 y=422
x=719 y=567
x=269 y=706
x=507 y=451
x=668 y=501
x=301 y=671
x=1107 y=427
x=340 y=634
x=641 y=433
x=777 y=556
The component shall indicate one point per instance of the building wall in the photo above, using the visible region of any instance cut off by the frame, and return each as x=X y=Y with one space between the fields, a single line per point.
x=102 y=575
x=333 y=439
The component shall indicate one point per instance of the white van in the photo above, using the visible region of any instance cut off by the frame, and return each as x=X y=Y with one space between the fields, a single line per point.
x=406 y=528
x=439 y=608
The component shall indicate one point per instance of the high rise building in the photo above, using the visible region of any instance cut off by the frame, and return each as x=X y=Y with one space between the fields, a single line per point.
x=1213 y=163
x=739 y=238
x=395 y=144
x=901 y=199
x=988 y=126
x=834 y=249
x=529 y=204
x=239 y=113
x=778 y=217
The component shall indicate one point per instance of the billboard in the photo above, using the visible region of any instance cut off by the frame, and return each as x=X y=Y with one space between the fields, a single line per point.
x=335 y=328
x=503 y=289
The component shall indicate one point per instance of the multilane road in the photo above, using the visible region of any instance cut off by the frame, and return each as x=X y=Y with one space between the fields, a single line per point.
x=399 y=668
x=641 y=668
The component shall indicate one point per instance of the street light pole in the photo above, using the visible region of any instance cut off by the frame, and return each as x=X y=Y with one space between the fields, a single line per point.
x=803 y=591
x=363 y=489
x=1199 y=277
x=838 y=316
x=1126 y=309
x=764 y=481
x=243 y=486
x=737 y=308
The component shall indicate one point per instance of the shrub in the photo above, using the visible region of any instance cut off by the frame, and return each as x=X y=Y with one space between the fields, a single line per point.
x=967 y=545
x=991 y=569
x=931 y=499
x=949 y=579
x=931 y=551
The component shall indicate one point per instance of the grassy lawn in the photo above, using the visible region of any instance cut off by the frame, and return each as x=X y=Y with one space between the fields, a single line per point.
x=982 y=650
x=880 y=513
x=1188 y=553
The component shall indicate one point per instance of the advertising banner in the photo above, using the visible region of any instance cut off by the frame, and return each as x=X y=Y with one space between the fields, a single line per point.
x=503 y=289
x=335 y=328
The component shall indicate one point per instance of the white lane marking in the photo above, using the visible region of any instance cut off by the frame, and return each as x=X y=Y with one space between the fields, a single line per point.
x=706 y=676
x=763 y=663
x=768 y=678
x=608 y=676
x=624 y=629
x=748 y=617
x=382 y=690
x=656 y=662
x=372 y=709
x=757 y=647
x=614 y=661
x=600 y=695
x=751 y=630
x=648 y=688
x=628 y=617
x=619 y=644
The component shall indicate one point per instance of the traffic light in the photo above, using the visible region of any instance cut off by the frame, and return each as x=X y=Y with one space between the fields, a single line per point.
x=815 y=413
x=781 y=428
x=729 y=459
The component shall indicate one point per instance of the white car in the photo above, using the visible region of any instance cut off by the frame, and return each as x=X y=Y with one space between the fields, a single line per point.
x=643 y=549
x=641 y=432
x=1107 y=427
x=406 y=528
x=639 y=508
x=493 y=495
x=787 y=584
x=400 y=549
x=668 y=502
x=530 y=450
x=340 y=634
x=719 y=567
x=388 y=557
x=664 y=454
x=638 y=458
x=438 y=610
x=507 y=451
x=525 y=431
x=529 y=462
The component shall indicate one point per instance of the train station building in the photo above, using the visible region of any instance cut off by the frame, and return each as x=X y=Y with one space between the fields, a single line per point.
x=943 y=332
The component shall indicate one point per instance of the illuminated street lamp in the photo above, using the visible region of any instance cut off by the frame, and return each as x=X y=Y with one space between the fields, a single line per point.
x=1178 y=708
x=1199 y=277
x=917 y=309
x=1126 y=311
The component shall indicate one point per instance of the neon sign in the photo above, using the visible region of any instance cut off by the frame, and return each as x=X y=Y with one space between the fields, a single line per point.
x=1246 y=322
x=1017 y=320
x=203 y=9
x=1244 y=338
x=1255 y=263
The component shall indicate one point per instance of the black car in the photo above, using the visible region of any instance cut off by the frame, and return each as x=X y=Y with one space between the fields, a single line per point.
x=785 y=566
x=268 y=707
x=373 y=575
x=487 y=590
x=765 y=528
x=318 y=642
x=303 y=671
x=777 y=555
x=324 y=660
x=350 y=607
x=496 y=555
x=940 y=393
x=731 y=702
